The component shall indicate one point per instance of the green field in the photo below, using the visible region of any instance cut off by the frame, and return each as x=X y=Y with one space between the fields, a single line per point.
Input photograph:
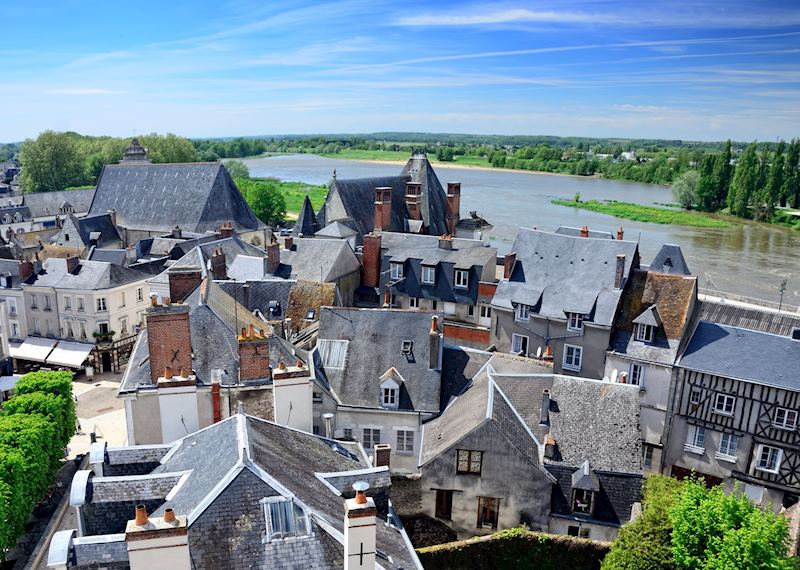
x=650 y=214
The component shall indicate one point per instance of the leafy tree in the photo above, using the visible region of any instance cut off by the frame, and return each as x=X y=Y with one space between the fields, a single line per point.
x=58 y=410
x=50 y=162
x=685 y=189
x=745 y=179
x=264 y=198
x=707 y=185
x=168 y=148
x=445 y=154
x=58 y=383
x=790 y=193
x=237 y=169
x=722 y=174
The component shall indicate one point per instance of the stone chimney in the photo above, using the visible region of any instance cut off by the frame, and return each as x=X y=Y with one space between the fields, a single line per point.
x=73 y=262
x=446 y=242
x=585 y=231
x=273 y=259
x=544 y=415
x=508 y=264
x=183 y=282
x=383 y=208
x=226 y=230
x=177 y=232
x=620 y=272
x=453 y=206
x=382 y=453
x=620 y=233
x=371 y=260
x=288 y=243
x=25 y=269
x=360 y=530
x=168 y=337
x=293 y=396
x=414 y=200
x=253 y=355
x=218 y=268
x=434 y=340
x=112 y=213
x=549 y=446
x=158 y=542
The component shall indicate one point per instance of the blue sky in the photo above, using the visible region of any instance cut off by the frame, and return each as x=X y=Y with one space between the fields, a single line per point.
x=689 y=70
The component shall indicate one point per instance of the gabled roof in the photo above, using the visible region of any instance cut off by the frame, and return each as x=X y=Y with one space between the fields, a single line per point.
x=306 y=224
x=90 y=275
x=199 y=196
x=669 y=259
x=323 y=260
x=649 y=317
x=336 y=230
x=48 y=204
x=101 y=223
x=562 y=273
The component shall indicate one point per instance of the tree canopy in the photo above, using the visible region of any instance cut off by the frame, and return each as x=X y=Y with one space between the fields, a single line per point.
x=264 y=198
x=237 y=169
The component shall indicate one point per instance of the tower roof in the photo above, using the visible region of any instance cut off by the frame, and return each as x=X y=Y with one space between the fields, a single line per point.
x=135 y=153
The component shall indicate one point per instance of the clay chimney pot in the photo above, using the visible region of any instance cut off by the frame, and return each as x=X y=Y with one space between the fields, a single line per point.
x=169 y=516
x=168 y=372
x=281 y=365
x=141 y=515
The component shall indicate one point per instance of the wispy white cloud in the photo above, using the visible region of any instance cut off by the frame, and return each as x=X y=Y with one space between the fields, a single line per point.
x=81 y=91
x=314 y=54
x=509 y=16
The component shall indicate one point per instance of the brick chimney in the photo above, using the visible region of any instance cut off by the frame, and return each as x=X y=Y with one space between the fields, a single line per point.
x=453 y=206
x=446 y=242
x=226 y=230
x=585 y=231
x=253 y=355
x=382 y=454
x=288 y=243
x=508 y=264
x=414 y=200
x=218 y=268
x=168 y=338
x=371 y=260
x=216 y=402
x=620 y=272
x=181 y=283
x=25 y=269
x=158 y=542
x=383 y=208
x=434 y=340
x=293 y=396
x=273 y=259
x=620 y=233
x=360 y=530
x=73 y=262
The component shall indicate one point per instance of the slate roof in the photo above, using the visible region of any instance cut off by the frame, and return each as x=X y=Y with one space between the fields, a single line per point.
x=90 y=275
x=758 y=357
x=306 y=223
x=199 y=196
x=319 y=260
x=576 y=232
x=374 y=342
x=115 y=256
x=336 y=230
x=613 y=503
x=9 y=268
x=751 y=318
x=260 y=294
x=96 y=223
x=669 y=259
x=47 y=204
x=556 y=274
x=459 y=365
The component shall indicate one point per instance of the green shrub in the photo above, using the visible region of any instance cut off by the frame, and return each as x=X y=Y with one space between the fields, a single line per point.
x=58 y=383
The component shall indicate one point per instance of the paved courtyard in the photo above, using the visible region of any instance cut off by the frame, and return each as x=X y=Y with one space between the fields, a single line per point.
x=99 y=410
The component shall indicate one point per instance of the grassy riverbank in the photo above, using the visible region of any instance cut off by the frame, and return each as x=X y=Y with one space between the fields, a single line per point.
x=403 y=155
x=295 y=192
x=649 y=214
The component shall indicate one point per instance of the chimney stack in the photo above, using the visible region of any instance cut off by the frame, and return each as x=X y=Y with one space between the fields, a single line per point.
x=549 y=446
x=383 y=208
x=544 y=415
x=177 y=232
x=216 y=403
x=253 y=355
x=288 y=243
x=293 y=397
x=453 y=206
x=158 y=542
x=218 y=268
x=73 y=262
x=183 y=282
x=168 y=338
x=359 y=530
x=508 y=264
x=413 y=200
x=273 y=258
x=25 y=269
x=226 y=230
x=382 y=454
x=585 y=231
x=328 y=417
x=620 y=233
x=620 y=272
x=446 y=242
x=371 y=260
x=433 y=344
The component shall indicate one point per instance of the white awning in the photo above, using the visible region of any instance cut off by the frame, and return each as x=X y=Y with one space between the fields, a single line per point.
x=34 y=348
x=69 y=354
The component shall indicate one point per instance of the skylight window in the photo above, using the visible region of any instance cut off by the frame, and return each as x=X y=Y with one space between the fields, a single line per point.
x=284 y=518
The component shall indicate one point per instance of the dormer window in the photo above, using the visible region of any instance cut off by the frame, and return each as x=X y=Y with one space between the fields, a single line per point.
x=389 y=395
x=284 y=518
x=583 y=501
x=396 y=270
x=429 y=274
x=462 y=278
x=575 y=322
x=644 y=333
x=523 y=313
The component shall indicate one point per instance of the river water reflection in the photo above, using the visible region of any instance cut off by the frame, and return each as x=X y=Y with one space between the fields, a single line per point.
x=750 y=259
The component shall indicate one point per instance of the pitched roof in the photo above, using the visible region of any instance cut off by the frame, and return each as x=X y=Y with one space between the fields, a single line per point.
x=46 y=204
x=752 y=356
x=199 y=196
x=319 y=260
x=752 y=318
x=90 y=275
x=669 y=259
x=306 y=224
x=308 y=295
x=261 y=295
x=576 y=232
x=556 y=274
x=374 y=340
x=96 y=223
x=336 y=230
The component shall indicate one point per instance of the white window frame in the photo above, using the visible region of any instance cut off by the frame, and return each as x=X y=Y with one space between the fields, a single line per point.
x=67 y=303
x=778 y=458
x=575 y=360
x=139 y=295
x=516 y=343
x=462 y=279
x=33 y=301
x=786 y=423
x=644 y=333
x=296 y=519
x=47 y=303
x=575 y=321
x=372 y=441
x=404 y=445
x=636 y=375
x=726 y=400
x=695 y=440
x=102 y=305
x=81 y=304
x=486 y=312
x=522 y=313
x=36 y=326
x=396 y=270
x=413 y=302
x=728 y=444
x=647 y=455
x=121 y=299
x=390 y=396
x=428 y=274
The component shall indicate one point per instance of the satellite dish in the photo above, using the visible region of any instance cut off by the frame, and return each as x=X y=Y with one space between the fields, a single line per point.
x=360 y=486
x=539 y=352
x=614 y=375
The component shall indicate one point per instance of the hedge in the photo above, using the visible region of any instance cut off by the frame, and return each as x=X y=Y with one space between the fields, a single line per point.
x=516 y=549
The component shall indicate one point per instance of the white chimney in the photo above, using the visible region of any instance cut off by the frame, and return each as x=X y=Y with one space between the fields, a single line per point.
x=293 y=396
x=161 y=542
x=177 y=401
x=359 y=530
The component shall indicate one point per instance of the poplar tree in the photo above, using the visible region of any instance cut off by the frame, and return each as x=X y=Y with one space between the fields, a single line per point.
x=707 y=185
x=722 y=174
x=790 y=194
x=745 y=178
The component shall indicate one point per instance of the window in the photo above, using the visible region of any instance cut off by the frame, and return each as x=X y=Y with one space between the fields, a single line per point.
x=139 y=295
x=67 y=303
x=12 y=306
x=769 y=458
x=519 y=344
x=101 y=304
x=413 y=303
x=33 y=301
x=389 y=397
x=69 y=329
x=372 y=437
x=49 y=328
x=572 y=357
x=647 y=456
x=47 y=306
x=583 y=501
x=523 y=313
x=462 y=278
x=81 y=306
x=636 y=376
x=348 y=433
x=14 y=329
x=102 y=327
x=83 y=330
x=36 y=326
x=578 y=531
x=644 y=333
x=727 y=447
x=316 y=397
x=428 y=274
x=405 y=441
x=695 y=440
x=123 y=325
x=724 y=404
x=575 y=322
x=486 y=312
x=434 y=305
x=315 y=430
x=122 y=298
x=396 y=270
x=695 y=397
x=444 y=504
x=488 y=512
x=284 y=518
x=469 y=462
x=471 y=310
x=785 y=418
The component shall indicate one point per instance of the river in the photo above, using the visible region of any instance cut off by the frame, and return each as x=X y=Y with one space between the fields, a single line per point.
x=749 y=259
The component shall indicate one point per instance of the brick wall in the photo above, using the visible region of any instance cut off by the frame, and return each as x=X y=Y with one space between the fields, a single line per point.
x=371 y=261
x=254 y=359
x=182 y=283
x=474 y=337
x=168 y=339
